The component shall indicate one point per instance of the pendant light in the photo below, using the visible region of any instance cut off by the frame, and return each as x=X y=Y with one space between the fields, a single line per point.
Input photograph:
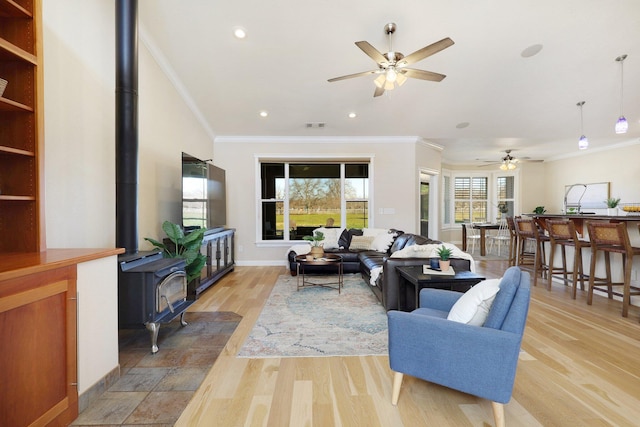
x=583 y=142
x=621 y=124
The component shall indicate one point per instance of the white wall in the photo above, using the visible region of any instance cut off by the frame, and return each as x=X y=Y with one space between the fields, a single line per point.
x=79 y=60
x=394 y=172
x=98 y=325
x=617 y=165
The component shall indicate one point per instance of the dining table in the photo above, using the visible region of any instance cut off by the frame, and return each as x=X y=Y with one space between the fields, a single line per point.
x=482 y=227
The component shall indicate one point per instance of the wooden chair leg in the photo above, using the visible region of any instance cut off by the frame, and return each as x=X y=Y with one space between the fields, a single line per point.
x=397 y=382
x=592 y=275
x=498 y=413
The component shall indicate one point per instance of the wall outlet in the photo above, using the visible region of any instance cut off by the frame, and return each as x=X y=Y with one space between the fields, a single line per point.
x=240 y=248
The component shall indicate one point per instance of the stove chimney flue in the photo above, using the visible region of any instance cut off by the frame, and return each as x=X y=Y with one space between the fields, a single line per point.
x=127 y=125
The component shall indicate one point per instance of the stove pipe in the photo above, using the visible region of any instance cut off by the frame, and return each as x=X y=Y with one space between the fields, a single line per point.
x=127 y=125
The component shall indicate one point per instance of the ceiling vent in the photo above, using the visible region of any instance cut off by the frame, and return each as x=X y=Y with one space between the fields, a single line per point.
x=316 y=125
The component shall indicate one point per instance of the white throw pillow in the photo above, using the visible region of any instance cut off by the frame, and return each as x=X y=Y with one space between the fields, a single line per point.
x=361 y=243
x=382 y=242
x=331 y=236
x=473 y=307
x=416 y=251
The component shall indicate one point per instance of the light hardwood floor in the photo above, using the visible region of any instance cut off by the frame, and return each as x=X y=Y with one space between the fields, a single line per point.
x=580 y=366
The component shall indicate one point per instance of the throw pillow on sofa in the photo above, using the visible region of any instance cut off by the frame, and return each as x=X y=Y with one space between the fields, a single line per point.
x=345 y=237
x=361 y=243
x=331 y=236
x=382 y=242
x=473 y=307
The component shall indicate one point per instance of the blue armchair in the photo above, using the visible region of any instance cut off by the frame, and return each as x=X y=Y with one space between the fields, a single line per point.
x=478 y=360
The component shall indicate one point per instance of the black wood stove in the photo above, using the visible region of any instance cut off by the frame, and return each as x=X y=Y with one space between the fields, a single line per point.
x=151 y=290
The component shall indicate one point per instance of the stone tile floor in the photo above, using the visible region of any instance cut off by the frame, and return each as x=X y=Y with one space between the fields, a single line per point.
x=154 y=389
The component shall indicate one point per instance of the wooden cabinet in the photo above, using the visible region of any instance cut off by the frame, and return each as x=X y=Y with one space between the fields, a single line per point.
x=21 y=127
x=218 y=247
x=38 y=357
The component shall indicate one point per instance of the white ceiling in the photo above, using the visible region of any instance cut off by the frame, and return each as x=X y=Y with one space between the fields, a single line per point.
x=510 y=102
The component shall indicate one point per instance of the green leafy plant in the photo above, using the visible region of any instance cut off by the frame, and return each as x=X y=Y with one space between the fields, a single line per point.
x=539 y=210
x=444 y=253
x=503 y=208
x=183 y=246
x=612 y=202
x=316 y=239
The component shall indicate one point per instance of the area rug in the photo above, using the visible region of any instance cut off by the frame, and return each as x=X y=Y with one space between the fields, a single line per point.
x=317 y=321
x=154 y=389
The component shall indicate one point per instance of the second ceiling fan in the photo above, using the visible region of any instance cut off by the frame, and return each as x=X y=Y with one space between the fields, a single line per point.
x=509 y=162
x=393 y=66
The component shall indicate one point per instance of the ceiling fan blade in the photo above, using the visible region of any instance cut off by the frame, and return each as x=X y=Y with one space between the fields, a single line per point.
x=426 y=51
x=350 y=76
x=379 y=91
x=423 y=75
x=372 y=52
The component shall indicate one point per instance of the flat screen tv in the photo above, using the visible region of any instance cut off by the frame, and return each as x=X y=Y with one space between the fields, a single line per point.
x=203 y=194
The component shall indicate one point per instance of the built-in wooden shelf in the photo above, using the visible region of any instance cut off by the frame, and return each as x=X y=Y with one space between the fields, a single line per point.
x=8 y=105
x=17 y=151
x=11 y=9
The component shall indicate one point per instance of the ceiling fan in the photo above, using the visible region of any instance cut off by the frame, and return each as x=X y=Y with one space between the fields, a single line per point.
x=392 y=66
x=508 y=162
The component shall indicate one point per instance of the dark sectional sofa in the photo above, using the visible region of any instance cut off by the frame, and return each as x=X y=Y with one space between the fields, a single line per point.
x=387 y=288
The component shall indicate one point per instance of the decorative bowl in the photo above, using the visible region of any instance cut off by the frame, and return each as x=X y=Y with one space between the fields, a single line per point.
x=630 y=208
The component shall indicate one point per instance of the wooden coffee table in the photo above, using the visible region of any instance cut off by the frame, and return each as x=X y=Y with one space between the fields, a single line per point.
x=412 y=280
x=329 y=261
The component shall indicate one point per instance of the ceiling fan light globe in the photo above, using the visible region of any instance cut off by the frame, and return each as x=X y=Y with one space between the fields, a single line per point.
x=389 y=85
x=379 y=81
x=392 y=75
x=621 y=125
x=401 y=79
x=504 y=166
x=511 y=166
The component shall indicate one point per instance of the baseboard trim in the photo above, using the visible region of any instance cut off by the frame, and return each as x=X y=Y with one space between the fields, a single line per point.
x=95 y=391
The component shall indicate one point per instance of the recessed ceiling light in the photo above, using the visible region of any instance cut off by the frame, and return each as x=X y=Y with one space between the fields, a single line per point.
x=462 y=125
x=239 y=33
x=263 y=113
x=352 y=115
x=532 y=50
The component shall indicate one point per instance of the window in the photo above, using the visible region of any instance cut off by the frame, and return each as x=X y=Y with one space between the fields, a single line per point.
x=505 y=195
x=297 y=198
x=470 y=199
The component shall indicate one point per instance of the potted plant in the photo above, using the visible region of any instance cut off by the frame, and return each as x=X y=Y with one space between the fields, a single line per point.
x=317 y=251
x=183 y=246
x=444 y=254
x=612 y=204
x=539 y=210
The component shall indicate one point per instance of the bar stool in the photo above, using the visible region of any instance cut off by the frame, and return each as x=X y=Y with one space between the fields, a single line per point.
x=612 y=238
x=563 y=233
x=534 y=261
x=513 y=241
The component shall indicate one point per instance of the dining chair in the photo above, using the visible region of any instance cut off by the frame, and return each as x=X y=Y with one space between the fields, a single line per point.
x=502 y=237
x=473 y=236
x=563 y=234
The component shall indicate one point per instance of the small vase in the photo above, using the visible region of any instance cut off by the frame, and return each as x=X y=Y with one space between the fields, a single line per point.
x=444 y=265
x=611 y=211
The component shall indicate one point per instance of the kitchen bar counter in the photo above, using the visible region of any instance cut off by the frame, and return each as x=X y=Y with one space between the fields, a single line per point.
x=580 y=219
